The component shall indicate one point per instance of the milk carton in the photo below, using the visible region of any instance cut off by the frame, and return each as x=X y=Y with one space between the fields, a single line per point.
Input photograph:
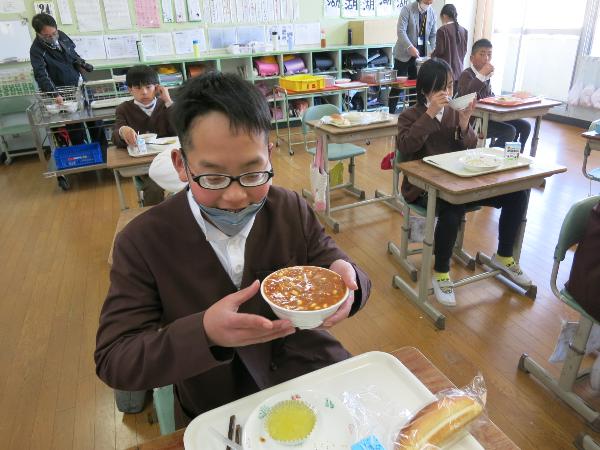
x=141 y=145
x=512 y=150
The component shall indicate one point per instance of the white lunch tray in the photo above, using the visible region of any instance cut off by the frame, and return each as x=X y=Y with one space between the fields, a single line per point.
x=450 y=162
x=157 y=146
x=382 y=372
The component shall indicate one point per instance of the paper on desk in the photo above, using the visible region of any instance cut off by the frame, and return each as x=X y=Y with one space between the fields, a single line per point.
x=117 y=14
x=157 y=44
x=88 y=15
x=183 y=40
x=121 y=45
x=90 y=47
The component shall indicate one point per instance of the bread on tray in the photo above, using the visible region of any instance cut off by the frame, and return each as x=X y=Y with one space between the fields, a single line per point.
x=438 y=422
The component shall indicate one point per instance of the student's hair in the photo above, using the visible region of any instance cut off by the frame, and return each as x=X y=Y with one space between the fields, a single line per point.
x=141 y=76
x=39 y=21
x=432 y=77
x=242 y=103
x=449 y=10
x=481 y=43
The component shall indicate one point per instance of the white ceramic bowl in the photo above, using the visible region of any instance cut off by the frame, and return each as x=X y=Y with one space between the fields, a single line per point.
x=461 y=103
x=69 y=106
x=342 y=80
x=149 y=137
x=53 y=108
x=481 y=162
x=302 y=319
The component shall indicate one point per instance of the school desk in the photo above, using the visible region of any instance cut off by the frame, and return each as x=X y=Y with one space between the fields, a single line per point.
x=458 y=190
x=488 y=435
x=124 y=165
x=336 y=135
x=489 y=112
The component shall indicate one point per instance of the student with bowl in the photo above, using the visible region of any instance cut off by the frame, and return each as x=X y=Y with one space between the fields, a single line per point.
x=146 y=113
x=432 y=128
x=184 y=306
x=477 y=79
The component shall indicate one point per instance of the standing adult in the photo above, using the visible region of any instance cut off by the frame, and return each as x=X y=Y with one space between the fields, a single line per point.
x=56 y=64
x=416 y=29
x=451 y=41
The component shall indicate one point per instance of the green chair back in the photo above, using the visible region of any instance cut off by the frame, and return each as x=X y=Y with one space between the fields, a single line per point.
x=593 y=125
x=573 y=226
x=12 y=105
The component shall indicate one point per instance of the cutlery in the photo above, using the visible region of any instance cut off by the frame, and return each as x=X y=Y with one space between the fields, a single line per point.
x=225 y=440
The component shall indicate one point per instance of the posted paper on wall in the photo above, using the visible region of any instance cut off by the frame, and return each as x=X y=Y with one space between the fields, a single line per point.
x=180 y=15
x=157 y=44
x=11 y=6
x=221 y=37
x=384 y=7
x=90 y=47
x=367 y=8
x=65 y=12
x=44 y=8
x=120 y=46
x=184 y=40
x=147 y=14
x=88 y=15
x=331 y=8
x=250 y=34
x=349 y=8
x=167 y=11
x=194 y=10
x=117 y=14
x=307 y=33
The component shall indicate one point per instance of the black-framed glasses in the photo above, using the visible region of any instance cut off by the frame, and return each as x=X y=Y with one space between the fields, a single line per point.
x=221 y=181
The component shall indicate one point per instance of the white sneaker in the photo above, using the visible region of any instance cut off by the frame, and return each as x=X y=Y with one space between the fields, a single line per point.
x=444 y=291
x=512 y=271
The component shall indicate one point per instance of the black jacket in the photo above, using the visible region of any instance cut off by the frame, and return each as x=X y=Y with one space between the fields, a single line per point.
x=53 y=67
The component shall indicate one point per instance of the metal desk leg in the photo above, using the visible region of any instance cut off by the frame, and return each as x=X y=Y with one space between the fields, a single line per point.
x=120 y=190
x=536 y=134
x=420 y=298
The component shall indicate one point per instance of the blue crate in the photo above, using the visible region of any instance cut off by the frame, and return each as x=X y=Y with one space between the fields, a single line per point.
x=78 y=155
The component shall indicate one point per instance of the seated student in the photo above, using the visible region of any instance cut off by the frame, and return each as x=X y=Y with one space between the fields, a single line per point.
x=184 y=305
x=431 y=128
x=477 y=79
x=146 y=113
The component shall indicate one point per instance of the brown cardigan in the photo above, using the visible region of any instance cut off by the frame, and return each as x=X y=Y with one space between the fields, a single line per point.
x=129 y=114
x=449 y=49
x=468 y=83
x=419 y=135
x=165 y=274
x=584 y=280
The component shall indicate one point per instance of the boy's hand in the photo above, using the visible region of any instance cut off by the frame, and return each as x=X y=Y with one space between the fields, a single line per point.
x=129 y=135
x=465 y=115
x=225 y=327
x=436 y=102
x=487 y=69
x=412 y=51
x=163 y=94
x=348 y=274
x=58 y=100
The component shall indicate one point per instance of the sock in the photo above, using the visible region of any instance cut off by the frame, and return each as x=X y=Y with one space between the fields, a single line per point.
x=505 y=260
x=441 y=276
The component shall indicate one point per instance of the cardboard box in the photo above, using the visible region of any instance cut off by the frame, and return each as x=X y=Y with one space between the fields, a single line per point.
x=375 y=31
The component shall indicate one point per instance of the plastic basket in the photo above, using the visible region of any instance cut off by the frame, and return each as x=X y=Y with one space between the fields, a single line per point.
x=77 y=155
x=302 y=83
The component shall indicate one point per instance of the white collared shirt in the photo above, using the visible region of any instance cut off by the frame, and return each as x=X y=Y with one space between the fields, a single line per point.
x=439 y=115
x=479 y=76
x=229 y=249
x=147 y=109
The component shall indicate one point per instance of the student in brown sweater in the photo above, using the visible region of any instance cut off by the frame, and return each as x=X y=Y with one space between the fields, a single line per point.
x=146 y=113
x=184 y=305
x=451 y=41
x=477 y=79
x=431 y=128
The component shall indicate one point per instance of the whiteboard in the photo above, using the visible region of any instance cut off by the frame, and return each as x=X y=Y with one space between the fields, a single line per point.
x=17 y=33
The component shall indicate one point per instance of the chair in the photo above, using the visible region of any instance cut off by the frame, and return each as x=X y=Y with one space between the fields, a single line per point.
x=164 y=407
x=335 y=152
x=593 y=174
x=571 y=232
x=13 y=122
x=402 y=252
x=585 y=442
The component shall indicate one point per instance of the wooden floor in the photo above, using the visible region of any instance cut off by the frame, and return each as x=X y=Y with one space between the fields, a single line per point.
x=54 y=275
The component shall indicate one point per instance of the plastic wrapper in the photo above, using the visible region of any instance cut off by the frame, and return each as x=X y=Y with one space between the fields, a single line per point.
x=383 y=423
x=318 y=179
